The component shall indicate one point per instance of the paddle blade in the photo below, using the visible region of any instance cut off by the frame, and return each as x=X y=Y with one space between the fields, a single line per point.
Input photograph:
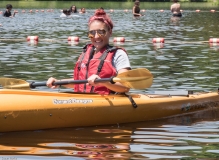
x=140 y=78
x=12 y=83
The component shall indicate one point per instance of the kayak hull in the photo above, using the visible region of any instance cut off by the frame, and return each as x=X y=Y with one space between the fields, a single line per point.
x=33 y=110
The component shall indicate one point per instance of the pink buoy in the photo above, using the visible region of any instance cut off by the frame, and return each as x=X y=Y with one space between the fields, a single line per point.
x=158 y=45
x=125 y=10
x=73 y=43
x=212 y=10
x=214 y=40
x=158 y=40
x=161 y=10
x=197 y=10
x=74 y=39
x=119 y=39
x=143 y=10
x=32 y=42
x=32 y=38
x=111 y=10
x=214 y=44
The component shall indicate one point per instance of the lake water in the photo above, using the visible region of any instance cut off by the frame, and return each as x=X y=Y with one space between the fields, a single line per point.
x=186 y=61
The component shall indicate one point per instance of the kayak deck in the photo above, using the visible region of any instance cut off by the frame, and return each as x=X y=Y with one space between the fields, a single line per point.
x=32 y=110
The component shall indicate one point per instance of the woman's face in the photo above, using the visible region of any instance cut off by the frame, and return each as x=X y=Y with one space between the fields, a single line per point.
x=73 y=8
x=137 y=3
x=100 y=34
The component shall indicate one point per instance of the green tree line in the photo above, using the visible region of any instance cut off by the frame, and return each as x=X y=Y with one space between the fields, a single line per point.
x=126 y=0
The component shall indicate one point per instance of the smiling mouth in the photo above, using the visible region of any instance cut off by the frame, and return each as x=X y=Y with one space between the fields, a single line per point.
x=98 y=41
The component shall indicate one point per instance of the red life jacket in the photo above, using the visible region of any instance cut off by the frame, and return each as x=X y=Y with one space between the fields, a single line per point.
x=90 y=63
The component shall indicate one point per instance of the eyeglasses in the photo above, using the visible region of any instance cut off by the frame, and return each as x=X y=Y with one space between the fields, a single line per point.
x=100 y=32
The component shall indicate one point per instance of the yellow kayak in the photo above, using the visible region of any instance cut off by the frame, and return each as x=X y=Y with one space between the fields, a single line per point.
x=33 y=110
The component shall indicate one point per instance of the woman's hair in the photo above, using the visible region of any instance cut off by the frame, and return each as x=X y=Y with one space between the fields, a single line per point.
x=75 y=11
x=64 y=11
x=8 y=6
x=100 y=15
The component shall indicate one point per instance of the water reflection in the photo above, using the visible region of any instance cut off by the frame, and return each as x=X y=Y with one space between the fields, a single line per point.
x=173 y=138
x=175 y=20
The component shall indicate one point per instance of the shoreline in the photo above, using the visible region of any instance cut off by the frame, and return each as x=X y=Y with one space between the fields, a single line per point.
x=32 y=4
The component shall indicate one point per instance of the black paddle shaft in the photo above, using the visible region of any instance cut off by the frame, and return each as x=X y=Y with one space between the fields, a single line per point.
x=38 y=84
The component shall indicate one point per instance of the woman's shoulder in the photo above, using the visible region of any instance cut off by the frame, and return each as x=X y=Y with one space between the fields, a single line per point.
x=120 y=52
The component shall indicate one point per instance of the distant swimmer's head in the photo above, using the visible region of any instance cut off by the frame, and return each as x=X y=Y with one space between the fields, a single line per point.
x=68 y=12
x=100 y=15
x=137 y=2
x=64 y=11
x=73 y=9
x=9 y=6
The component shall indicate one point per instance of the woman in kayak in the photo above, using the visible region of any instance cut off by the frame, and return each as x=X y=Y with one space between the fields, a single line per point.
x=99 y=59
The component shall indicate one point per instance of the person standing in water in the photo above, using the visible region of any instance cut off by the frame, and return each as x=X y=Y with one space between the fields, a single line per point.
x=83 y=10
x=73 y=9
x=136 y=9
x=175 y=9
x=7 y=13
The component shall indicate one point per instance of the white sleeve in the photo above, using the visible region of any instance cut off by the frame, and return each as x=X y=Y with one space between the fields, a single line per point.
x=121 y=60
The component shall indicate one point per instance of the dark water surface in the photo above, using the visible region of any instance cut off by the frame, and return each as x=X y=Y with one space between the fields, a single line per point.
x=186 y=61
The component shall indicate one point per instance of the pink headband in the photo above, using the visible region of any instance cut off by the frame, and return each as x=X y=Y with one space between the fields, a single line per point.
x=110 y=25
